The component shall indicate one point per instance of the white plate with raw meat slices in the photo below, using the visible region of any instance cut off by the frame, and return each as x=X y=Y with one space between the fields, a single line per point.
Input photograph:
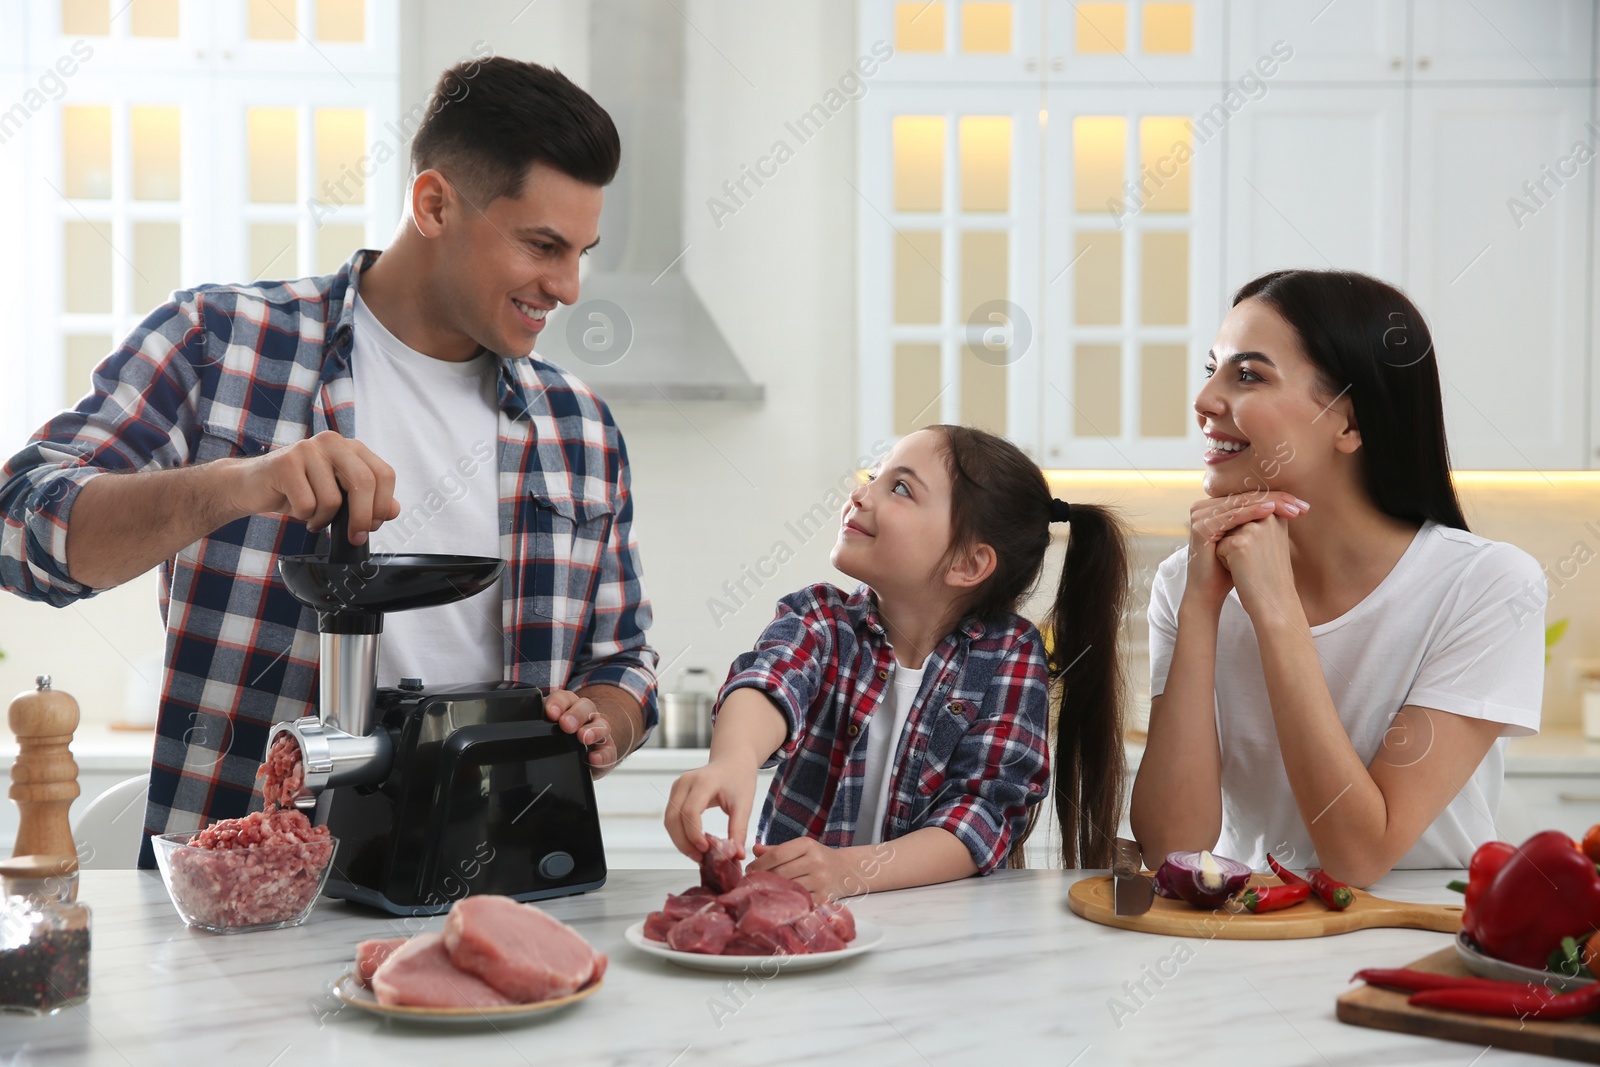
x=349 y=989
x=868 y=935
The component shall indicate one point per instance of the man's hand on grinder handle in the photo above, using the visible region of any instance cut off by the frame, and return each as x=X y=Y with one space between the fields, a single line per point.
x=307 y=479
x=605 y=718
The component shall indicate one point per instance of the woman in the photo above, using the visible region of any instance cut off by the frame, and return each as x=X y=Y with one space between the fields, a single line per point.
x=1334 y=655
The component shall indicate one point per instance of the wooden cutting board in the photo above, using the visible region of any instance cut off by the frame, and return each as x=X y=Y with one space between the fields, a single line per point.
x=1386 y=1009
x=1092 y=899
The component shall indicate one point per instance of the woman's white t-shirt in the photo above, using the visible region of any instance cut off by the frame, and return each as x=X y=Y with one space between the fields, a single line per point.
x=1456 y=626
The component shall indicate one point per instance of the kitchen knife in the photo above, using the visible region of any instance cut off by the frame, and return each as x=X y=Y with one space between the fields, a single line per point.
x=1133 y=890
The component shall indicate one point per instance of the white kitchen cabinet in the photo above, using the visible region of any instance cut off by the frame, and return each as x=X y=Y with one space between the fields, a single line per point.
x=948 y=260
x=1368 y=41
x=1501 y=40
x=1315 y=179
x=1333 y=40
x=947 y=41
x=1393 y=141
x=1531 y=803
x=1129 y=288
x=1135 y=44
x=1499 y=268
x=633 y=801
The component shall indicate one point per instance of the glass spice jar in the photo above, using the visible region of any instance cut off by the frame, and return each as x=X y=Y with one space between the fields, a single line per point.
x=44 y=936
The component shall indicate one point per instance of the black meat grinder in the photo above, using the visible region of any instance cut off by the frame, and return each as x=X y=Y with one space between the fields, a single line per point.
x=434 y=792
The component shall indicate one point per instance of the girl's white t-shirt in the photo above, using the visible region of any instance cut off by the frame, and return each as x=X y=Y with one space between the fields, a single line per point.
x=437 y=424
x=1456 y=626
x=882 y=740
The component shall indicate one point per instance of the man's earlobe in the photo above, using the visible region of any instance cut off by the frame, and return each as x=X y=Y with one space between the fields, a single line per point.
x=429 y=191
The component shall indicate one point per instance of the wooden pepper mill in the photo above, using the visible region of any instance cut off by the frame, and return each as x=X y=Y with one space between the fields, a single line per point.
x=44 y=778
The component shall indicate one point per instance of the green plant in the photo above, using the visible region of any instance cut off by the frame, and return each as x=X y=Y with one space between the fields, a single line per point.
x=1553 y=635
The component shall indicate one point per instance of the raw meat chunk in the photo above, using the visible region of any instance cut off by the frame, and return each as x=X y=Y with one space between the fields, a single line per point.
x=706 y=932
x=519 y=950
x=419 y=974
x=769 y=907
x=657 y=923
x=686 y=904
x=840 y=918
x=719 y=866
x=815 y=931
x=370 y=956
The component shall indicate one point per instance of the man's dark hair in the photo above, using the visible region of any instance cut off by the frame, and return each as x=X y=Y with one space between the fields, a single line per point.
x=491 y=119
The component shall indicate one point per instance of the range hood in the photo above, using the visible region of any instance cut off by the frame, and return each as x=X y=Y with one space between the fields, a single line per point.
x=639 y=331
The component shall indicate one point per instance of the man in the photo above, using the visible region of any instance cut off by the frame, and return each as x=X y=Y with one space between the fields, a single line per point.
x=235 y=416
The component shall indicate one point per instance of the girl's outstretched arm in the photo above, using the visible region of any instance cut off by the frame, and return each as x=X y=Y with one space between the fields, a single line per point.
x=922 y=857
x=749 y=730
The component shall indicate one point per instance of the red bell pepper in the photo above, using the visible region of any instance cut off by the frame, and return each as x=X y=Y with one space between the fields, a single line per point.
x=1545 y=890
x=1486 y=863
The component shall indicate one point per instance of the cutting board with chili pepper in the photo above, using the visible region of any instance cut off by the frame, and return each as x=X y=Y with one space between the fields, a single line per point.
x=1386 y=1009
x=1092 y=898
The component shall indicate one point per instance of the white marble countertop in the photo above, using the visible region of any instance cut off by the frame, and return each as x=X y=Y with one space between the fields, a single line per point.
x=968 y=971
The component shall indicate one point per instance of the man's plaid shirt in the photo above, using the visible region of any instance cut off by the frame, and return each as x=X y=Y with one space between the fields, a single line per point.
x=972 y=759
x=239 y=370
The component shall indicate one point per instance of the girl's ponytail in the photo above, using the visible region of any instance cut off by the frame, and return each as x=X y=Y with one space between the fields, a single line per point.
x=1003 y=500
x=1085 y=624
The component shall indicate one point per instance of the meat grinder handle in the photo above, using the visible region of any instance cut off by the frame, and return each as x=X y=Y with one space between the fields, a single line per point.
x=340 y=550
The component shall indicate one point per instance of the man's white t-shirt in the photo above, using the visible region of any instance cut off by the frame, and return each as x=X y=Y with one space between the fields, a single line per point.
x=882 y=740
x=437 y=424
x=1457 y=626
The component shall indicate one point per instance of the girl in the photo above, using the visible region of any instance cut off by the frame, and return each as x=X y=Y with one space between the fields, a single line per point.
x=1334 y=655
x=915 y=709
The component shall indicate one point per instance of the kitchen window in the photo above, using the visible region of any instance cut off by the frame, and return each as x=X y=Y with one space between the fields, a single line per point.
x=158 y=120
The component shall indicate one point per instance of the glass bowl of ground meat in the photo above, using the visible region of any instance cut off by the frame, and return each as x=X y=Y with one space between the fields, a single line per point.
x=261 y=872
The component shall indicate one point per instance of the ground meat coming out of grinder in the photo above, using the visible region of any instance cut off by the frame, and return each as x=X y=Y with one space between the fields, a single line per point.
x=282 y=774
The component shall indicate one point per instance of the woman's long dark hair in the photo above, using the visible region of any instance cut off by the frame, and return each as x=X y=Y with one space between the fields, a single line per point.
x=1366 y=337
x=1001 y=499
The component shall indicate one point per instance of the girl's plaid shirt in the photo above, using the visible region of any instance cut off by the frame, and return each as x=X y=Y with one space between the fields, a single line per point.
x=972 y=759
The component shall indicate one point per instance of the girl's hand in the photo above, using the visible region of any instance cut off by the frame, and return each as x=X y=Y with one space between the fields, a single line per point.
x=1215 y=518
x=726 y=784
x=827 y=872
x=1256 y=556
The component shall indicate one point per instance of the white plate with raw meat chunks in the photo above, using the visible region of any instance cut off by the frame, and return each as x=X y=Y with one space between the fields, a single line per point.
x=868 y=935
x=737 y=919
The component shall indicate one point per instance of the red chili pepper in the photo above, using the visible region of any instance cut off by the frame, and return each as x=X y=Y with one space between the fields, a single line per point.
x=1284 y=874
x=1274 y=897
x=1332 y=892
x=1421 y=981
x=1512 y=1003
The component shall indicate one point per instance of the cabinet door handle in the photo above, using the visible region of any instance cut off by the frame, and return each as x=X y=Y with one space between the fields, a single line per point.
x=1578 y=798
